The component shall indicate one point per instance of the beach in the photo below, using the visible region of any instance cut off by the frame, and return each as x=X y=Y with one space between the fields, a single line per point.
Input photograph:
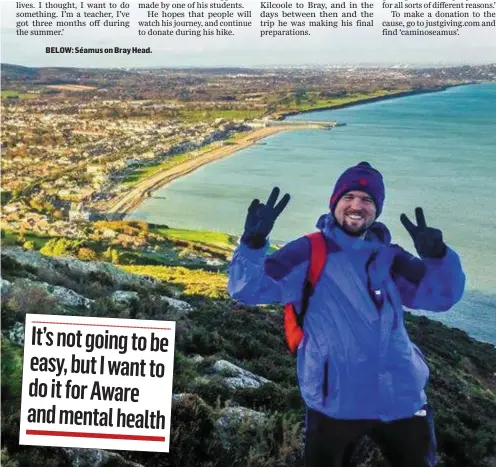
x=131 y=199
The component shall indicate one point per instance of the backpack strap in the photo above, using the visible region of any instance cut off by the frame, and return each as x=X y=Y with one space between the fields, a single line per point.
x=318 y=258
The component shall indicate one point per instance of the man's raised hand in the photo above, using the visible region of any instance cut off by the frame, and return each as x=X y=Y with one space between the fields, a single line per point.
x=261 y=218
x=427 y=240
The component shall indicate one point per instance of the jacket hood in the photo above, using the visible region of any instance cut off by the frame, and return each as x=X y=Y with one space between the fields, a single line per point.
x=376 y=233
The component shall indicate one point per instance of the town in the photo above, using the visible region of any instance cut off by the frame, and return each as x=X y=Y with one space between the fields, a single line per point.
x=75 y=141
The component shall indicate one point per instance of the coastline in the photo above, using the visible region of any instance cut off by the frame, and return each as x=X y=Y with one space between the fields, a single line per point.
x=409 y=92
x=141 y=191
x=132 y=199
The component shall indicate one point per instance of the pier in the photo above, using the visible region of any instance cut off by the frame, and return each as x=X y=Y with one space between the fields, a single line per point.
x=313 y=124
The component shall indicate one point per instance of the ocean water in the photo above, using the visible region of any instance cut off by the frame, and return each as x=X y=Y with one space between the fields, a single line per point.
x=437 y=151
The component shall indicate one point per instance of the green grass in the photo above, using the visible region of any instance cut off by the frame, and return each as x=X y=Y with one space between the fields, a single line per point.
x=218 y=239
x=142 y=173
x=6 y=94
x=11 y=238
x=333 y=101
x=23 y=96
x=192 y=281
x=209 y=115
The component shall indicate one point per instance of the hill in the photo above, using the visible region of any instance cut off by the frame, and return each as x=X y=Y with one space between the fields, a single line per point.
x=18 y=72
x=236 y=401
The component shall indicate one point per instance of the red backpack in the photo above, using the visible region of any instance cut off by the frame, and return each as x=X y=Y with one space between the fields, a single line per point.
x=293 y=322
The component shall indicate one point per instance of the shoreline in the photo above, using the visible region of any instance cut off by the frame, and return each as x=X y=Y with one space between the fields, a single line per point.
x=131 y=200
x=406 y=93
x=141 y=191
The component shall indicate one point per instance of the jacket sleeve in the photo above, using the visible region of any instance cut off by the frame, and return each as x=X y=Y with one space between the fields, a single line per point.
x=434 y=284
x=258 y=278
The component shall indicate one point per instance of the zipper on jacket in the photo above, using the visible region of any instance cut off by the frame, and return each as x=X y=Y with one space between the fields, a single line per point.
x=375 y=295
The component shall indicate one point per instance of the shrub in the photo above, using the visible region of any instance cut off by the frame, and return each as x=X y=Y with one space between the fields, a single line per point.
x=111 y=255
x=26 y=298
x=192 y=438
x=203 y=342
x=29 y=245
x=61 y=247
x=11 y=371
x=9 y=241
x=265 y=398
x=87 y=254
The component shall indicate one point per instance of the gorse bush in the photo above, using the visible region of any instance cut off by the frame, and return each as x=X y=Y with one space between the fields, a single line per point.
x=61 y=247
x=193 y=282
x=87 y=254
x=126 y=227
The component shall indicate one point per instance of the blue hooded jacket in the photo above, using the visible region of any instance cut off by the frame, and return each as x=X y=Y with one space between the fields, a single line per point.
x=355 y=360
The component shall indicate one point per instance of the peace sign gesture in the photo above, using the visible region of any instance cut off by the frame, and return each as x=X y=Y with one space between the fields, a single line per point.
x=261 y=217
x=427 y=240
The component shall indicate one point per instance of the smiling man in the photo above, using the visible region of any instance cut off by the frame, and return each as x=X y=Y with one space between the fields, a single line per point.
x=355 y=212
x=358 y=371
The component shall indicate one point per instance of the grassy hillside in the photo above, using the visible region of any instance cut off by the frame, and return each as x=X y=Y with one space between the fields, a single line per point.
x=462 y=386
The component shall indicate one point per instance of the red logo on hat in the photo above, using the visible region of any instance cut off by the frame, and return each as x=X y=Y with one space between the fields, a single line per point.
x=362 y=181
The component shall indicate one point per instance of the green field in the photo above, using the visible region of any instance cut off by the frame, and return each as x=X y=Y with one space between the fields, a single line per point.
x=23 y=96
x=143 y=173
x=207 y=115
x=307 y=103
x=218 y=239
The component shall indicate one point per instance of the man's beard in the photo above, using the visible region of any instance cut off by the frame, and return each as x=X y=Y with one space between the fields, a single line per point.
x=352 y=233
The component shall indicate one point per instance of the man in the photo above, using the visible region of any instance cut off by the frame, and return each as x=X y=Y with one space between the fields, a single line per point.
x=358 y=371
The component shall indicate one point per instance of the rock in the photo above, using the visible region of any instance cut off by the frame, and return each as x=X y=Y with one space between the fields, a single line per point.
x=68 y=297
x=228 y=424
x=122 y=296
x=16 y=334
x=119 y=277
x=61 y=265
x=5 y=287
x=196 y=358
x=65 y=297
x=242 y=382
x=214 y=262
x=178 y=397
x=29 y=258
x=177 y=304
x=97 y=458
x=236 y=377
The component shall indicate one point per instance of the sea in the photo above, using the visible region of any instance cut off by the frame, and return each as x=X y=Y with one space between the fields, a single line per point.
x=435 y=150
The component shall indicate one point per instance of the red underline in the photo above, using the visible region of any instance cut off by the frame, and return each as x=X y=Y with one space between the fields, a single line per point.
x=77 y=434
x=102 y=325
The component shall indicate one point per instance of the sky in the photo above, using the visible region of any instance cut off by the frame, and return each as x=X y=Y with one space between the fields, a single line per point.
x=324 y=46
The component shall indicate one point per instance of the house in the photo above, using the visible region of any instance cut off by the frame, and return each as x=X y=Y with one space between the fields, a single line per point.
x=81 y=213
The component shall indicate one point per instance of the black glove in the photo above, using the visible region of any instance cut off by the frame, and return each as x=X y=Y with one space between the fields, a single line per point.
x=427 y=240
x=261 y=217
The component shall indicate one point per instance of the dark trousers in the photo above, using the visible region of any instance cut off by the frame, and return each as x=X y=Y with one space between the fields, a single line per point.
x=408 y=442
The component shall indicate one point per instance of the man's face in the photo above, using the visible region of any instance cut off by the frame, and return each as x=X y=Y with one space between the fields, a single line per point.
x=355 y=212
